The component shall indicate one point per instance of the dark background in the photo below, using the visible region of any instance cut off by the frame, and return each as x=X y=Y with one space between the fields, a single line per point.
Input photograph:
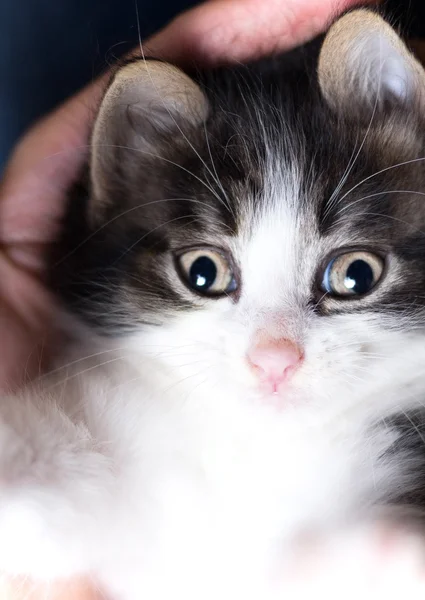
x=51 y=48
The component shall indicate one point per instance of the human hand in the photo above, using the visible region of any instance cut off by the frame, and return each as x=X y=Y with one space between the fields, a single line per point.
x=67 y=590
x=47 y=160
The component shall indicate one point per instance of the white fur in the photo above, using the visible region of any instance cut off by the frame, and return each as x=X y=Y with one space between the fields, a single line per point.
x=157 y=466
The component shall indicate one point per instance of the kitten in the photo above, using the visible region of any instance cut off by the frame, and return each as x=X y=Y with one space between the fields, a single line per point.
x=246 y=264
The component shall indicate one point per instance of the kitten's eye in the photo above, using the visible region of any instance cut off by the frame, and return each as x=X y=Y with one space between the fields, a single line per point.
x=353 y=273
x=207 y=272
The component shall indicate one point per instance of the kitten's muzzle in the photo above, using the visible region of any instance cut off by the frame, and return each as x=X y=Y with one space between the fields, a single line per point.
x=274 y=361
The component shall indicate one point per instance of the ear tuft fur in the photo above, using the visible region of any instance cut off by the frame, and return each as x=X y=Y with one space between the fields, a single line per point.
x=147 y=103
x=363 y=63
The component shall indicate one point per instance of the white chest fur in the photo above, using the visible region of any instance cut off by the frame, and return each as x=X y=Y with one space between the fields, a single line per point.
x=211 y=488
x=160 y=487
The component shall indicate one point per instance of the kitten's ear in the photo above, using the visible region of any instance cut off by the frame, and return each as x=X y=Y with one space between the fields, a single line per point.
x=363 y=63
x=148 y=103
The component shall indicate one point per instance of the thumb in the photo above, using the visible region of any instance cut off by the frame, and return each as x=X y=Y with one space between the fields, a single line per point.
x=224 y=31
x=41 y=170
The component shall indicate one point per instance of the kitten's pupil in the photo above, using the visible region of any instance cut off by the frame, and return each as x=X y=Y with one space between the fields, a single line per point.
x=359 y=277
x=203 y=273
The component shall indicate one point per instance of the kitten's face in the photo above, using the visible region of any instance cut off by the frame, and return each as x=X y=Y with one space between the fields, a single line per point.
x=274 y=247
x=341 y=281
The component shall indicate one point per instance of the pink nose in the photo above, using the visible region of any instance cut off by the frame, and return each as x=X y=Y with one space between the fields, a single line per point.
x=274 y=361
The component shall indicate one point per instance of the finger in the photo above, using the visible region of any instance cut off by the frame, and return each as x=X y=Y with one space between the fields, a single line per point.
x=26 y=590
x=25 y=312
x=239 y=30
x=41 y=170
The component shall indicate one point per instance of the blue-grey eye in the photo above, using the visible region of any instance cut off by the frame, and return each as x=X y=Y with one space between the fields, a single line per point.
x=352 y=274
x=207 y=271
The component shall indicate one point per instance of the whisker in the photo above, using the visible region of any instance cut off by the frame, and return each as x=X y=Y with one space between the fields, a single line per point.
x=191 y=146
x=126 y=212
x=167 y=160
x=401 y=164
x=75 y=362
x=373 y=214
x=217 y=179
x=140 y=239
x=350 y=166
x=183 y=379
x=339 y=186
x=316 y=304
x=92 y=368
x=344 y=208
